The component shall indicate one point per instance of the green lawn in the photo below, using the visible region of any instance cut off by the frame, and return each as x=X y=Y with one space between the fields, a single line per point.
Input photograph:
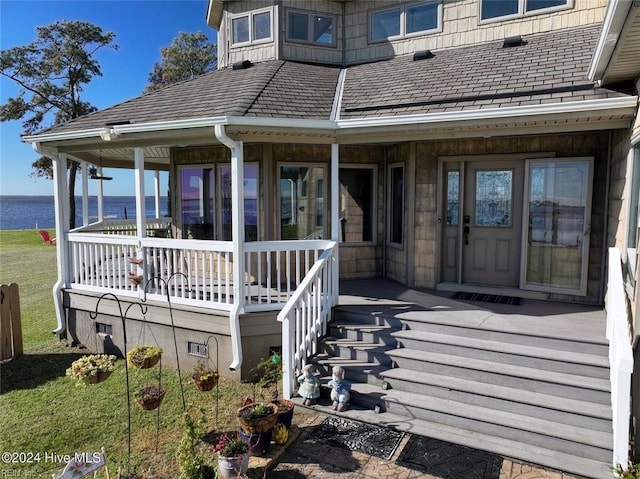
x=43 y=412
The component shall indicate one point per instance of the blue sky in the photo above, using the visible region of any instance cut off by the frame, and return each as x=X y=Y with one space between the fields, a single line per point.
x=142 y=28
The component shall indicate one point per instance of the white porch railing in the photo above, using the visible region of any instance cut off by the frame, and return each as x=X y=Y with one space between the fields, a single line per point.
x=304 y=317
x=158 y=227
x=195 y=272
x=620 y=357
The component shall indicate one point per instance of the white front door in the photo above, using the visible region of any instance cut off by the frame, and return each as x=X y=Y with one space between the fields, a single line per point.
x=492 y=223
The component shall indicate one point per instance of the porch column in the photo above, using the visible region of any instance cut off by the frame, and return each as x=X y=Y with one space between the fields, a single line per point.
x=141 y=220
x=85 y=194
x=237 y=234
x=156 y=184
x=100 y=195
x=335 y=216
x=61 y=208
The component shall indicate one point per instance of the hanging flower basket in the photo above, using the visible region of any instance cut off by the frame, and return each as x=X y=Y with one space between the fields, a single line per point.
x=257 y=417
x=92 y=369
x=144 y=357
x=205 y=379
x=150 y=397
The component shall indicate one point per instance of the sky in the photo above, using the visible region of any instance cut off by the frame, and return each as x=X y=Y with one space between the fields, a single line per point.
x=141 y=27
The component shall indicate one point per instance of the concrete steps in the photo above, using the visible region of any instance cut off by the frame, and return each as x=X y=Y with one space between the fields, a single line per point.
x=540 y=398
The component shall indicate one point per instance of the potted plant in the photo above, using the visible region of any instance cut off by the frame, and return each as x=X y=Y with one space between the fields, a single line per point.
x=204 y=378
x=257 y=417
x=144 y=357
x=233 y=456
x=92 y=369
x=150 y=397
x=271 y=373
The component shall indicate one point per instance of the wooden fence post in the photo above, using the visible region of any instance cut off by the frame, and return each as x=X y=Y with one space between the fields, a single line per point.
x=10 y=322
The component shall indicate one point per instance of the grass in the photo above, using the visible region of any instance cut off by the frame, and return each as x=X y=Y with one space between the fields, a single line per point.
x=43 y=412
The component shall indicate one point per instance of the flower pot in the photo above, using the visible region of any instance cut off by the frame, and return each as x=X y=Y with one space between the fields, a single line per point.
x=259 y=442
x=150 y=397
x=285 y=411
x=100 y=377
x=233 y=467
x=260 y=424
x=206 y=384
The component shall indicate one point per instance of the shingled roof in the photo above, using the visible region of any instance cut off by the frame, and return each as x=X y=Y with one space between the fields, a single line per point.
x=548 y=68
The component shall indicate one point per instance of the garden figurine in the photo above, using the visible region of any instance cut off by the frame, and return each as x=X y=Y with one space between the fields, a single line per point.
x=309 y=385
x=339 y=389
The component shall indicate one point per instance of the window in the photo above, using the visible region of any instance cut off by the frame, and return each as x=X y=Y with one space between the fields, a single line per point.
x=302 y=209
x=250 y=202
x=453 y=188
x=632 y=232
x=357 y=204
x=254 y=27
x=396 y=204
x=205 y=218
x=491 y=9
x=311 y=28
x=405 y=20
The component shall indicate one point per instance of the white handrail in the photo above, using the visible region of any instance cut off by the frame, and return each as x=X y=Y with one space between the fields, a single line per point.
x=620 y=357
x=304 y=317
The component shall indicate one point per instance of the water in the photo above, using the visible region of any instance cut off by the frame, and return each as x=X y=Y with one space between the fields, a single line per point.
x=31 y=212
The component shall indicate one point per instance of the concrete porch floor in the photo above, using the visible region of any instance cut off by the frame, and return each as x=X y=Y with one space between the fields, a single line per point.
x=548 y=318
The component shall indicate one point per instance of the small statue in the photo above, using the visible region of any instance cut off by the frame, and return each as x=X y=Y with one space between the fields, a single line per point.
x=309 y=386
x=339 y=389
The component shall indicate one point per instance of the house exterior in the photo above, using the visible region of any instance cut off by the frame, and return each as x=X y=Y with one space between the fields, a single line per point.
x=462 y=145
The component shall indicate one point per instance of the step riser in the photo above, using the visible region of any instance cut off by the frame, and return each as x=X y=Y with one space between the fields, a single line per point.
x=514 y=359
x=560 y=417
x=551 y=343
x=353 y=374
x=533 y=438
x=364 y=336
x=358 y=355
x=503 y=380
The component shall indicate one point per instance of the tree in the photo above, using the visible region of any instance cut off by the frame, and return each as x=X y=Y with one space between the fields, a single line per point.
x=51 y=72
x=189 y=55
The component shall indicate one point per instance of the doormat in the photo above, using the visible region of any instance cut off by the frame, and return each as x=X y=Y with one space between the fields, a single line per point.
x=487 y=298
x=449 y=461
x=356 y=436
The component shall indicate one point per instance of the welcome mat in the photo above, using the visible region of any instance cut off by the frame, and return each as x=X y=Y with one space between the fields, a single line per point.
x=449 y=461
x=356 y=436
x=487 y=298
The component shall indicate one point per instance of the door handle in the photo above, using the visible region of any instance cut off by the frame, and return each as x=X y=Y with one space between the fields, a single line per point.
x=465 y=230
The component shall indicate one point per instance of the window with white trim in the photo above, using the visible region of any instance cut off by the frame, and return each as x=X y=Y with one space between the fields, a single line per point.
x=307 y=27
x=252 y=27
x=357 y=203
x=405 y=20
x=494 y=9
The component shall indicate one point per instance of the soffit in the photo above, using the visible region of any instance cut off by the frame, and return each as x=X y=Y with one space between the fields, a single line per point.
x=625 y=60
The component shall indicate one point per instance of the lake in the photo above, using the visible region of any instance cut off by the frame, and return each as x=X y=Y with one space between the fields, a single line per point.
x=35 y=212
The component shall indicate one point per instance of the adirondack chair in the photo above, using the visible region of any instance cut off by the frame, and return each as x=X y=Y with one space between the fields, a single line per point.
x=46 y=238
x=78 y=468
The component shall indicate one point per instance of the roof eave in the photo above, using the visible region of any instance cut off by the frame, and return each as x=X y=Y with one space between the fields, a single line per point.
x=214 y=14
x=615 y=17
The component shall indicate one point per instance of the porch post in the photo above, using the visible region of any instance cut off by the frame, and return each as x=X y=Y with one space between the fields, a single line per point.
x=141 y=220
x=335 y=217
x=85 y=194
x=237 y=233
x=156 y=184
x=100 y=196
x=61 y=208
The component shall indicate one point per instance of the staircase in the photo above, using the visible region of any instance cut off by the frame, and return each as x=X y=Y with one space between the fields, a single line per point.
x=532 y=397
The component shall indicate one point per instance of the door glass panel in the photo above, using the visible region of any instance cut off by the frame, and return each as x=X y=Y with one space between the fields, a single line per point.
x=557 y=206
x=301 y=202
x=453 y=187
x=493 y=198
x=250 y=173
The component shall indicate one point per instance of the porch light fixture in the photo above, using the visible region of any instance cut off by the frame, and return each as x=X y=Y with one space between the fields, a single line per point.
x=514 y=41
x=108 y=134
x=422 y=55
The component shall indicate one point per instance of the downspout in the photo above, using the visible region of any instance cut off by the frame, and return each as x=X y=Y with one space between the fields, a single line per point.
x=237 y=225
x=62 y=249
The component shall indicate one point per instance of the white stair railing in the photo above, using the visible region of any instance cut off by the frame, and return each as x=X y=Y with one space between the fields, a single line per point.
x=620 y=358
x=304 y=318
